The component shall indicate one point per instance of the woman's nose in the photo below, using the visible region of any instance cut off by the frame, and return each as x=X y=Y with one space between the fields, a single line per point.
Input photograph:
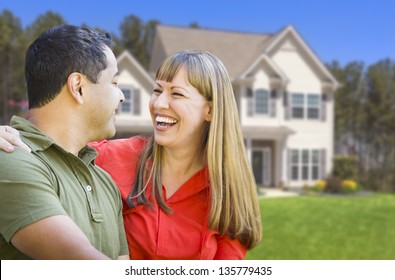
x=162 y=101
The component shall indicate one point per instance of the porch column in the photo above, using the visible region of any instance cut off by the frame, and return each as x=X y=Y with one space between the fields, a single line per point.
x=249 y=150
x=284 y=162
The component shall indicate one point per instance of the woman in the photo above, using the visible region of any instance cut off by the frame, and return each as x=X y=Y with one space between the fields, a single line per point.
x=188 y=190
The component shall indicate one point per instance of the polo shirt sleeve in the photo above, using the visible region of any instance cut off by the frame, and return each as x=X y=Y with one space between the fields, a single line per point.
x=27 y=192
x=229 y=249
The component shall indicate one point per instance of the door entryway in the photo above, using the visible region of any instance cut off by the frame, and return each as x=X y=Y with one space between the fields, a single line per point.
x=261 y=166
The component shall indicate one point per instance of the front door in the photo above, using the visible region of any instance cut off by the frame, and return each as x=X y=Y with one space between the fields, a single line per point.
x=261 y=166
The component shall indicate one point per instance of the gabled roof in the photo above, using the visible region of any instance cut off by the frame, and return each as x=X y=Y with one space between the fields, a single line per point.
x=236 y=49
x=271 y=64
x=126 y=56
x=239 y=51
x=290 y=31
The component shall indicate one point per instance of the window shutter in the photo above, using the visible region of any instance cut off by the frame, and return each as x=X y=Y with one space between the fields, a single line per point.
x=250 y=102
x=287 y=107
x=273 y=100
x=323 y=163
x=136 y=101
x=323 y=106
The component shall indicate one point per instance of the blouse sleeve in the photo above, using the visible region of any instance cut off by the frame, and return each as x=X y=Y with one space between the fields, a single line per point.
x=229 y=249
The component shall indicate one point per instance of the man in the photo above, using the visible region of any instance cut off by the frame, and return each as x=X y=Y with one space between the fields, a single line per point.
x=54 y=202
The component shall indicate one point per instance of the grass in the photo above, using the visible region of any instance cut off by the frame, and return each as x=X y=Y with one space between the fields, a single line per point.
x=327 y=228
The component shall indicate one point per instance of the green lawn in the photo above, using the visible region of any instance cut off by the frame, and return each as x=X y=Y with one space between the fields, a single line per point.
x=327 y=228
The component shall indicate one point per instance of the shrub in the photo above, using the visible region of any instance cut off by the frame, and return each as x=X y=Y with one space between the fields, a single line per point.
x=333 y=185
x=345 y=167
x=349 y=185
x=320 y=185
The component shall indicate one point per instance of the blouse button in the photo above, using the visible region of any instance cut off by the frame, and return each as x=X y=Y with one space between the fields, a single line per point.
x=88 y=188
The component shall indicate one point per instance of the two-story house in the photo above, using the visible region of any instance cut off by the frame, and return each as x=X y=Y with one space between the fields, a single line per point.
x=283 y=91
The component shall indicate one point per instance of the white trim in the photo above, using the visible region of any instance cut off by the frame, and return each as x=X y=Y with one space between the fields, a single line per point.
x=126 y=55
x=291 y=30
x=273 y=66
x=129 y=100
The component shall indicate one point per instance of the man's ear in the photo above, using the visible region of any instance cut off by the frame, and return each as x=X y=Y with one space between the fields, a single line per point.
x=74 y=84
x=209 y=114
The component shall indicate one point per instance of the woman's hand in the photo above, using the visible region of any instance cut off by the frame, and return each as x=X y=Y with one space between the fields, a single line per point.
x=10 y=138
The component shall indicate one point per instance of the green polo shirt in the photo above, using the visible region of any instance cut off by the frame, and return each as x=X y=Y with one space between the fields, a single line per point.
x=51 y=181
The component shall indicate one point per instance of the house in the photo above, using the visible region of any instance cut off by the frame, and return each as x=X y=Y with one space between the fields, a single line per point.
x=283 y=91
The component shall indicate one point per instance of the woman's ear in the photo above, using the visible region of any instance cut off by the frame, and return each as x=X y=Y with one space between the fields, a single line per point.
x=209 y=114
x=74 y=85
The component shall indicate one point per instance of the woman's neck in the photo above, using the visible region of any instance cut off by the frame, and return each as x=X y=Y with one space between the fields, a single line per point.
x=179 y=166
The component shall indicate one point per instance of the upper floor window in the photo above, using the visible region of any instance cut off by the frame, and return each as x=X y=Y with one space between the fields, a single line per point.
x=262 y=102
x=313 y=106
x=297 y=104
x=305 y=106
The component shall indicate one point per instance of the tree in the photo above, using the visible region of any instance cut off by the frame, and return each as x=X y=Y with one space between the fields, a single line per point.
x=42 y=23
x=379 y=124
x=137 y=38
x=365 y=120
x=348 y=106
x=12 y=84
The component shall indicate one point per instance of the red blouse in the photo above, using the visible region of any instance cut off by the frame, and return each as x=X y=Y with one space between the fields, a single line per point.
x=153 y=234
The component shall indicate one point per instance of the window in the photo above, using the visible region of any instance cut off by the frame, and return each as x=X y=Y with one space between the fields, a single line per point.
x=127 y=104
x=297 y=103
x=262 y=102
x=305 y=164
x=301 y=110
x=315 y=165
x=295 y=164
x=313 y=106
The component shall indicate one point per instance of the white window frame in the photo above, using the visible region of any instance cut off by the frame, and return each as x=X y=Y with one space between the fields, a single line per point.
x=305 y=105
x=295 y=105
x=259 y=105
x=305 y=164
x=313 y=106
x=128 y=101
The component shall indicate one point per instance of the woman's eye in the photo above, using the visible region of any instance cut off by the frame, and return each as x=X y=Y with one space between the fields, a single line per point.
x=157 y=91
x=177 y=94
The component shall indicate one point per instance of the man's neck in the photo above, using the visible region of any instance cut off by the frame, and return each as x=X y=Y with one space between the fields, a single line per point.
x=62 y=130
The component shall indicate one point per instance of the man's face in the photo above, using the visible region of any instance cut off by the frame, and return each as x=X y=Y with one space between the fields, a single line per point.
x=103 y=100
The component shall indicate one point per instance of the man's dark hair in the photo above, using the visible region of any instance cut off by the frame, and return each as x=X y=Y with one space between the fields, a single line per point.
x=58 y=52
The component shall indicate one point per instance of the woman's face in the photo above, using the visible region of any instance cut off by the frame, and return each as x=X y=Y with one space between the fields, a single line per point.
x=179 y=113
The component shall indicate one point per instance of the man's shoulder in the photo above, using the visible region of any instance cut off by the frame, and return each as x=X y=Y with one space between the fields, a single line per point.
x=19 y=164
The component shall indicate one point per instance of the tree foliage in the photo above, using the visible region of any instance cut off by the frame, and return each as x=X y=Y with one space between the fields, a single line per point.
x=365 y=119
x=137 y=38
x=11 y=58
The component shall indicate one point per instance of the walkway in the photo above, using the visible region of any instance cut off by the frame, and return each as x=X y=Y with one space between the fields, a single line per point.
x=275 y=192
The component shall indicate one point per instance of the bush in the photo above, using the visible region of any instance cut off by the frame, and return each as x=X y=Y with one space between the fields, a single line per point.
x=349 y=185
x=335 y=185
x=345 y=167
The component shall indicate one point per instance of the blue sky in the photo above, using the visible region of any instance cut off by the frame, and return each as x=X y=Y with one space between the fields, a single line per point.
x=343 y=30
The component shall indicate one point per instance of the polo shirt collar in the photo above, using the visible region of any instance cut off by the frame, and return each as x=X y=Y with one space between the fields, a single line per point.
x=39 y=142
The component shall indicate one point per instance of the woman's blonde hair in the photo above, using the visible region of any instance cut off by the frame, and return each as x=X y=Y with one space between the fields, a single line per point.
x=234 y=204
